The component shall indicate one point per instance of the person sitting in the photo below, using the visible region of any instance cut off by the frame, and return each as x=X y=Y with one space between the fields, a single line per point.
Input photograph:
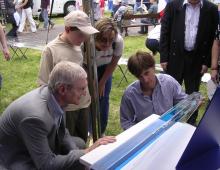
x=150 y=94
x=32 y=128
x=123 y=10
x=152 y=10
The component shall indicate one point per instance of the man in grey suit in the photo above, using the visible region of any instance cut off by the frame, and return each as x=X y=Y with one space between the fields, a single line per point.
x=32 y=130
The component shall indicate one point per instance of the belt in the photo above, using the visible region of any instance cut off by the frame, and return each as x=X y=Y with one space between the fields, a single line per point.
x=189 y=52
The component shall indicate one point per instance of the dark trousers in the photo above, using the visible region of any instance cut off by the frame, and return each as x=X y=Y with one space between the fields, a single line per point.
x=191 y=82
x=144 y=29
x=77 y=122
x=153 y=45
x=13 y=31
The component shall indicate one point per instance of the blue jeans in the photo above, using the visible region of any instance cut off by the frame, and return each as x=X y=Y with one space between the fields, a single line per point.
x=104 y=105
x=45 y=17
x=104 y=100
x=137 y=6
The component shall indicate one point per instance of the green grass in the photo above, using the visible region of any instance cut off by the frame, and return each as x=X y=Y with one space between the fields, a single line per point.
x=19 y=77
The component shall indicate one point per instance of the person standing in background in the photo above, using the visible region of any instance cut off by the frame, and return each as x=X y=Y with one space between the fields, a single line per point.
x=12 y=17
x=187 y=34
x=102 y=7
x=116 y=5
x=110 y=5
x=26 y=7
x=45 y=8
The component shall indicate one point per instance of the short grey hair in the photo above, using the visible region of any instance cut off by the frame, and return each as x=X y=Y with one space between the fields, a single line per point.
x=66 y=73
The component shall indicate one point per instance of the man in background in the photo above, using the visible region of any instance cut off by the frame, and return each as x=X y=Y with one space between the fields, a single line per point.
x=187 y=34
x=45 y=8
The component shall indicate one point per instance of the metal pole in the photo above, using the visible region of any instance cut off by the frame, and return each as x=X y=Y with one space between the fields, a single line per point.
x=89 y=54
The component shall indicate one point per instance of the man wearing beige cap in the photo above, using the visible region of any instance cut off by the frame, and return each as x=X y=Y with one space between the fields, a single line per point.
x=66 y=47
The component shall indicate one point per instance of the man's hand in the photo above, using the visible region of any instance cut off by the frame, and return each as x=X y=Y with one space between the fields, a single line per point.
x=204 y=69
x=164 y=66
x=214 y=75
x=102 y=141
x=6 y=54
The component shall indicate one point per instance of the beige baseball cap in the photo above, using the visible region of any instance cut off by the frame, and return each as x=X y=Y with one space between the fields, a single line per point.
x=80 y=20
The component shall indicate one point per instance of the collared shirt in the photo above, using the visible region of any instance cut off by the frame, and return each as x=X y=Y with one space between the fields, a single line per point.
x=135 y=106
x=57 y=112
x=191 y=24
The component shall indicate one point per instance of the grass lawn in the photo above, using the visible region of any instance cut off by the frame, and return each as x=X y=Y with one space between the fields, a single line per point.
x=19 y=77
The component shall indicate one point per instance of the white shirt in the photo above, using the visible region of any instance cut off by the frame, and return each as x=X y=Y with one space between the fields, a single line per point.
x=191 y=24
x=105 y=57
x=155 y=33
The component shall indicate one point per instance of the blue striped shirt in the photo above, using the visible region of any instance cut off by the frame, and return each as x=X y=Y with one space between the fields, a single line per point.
x=56 y=111
x=135 y=106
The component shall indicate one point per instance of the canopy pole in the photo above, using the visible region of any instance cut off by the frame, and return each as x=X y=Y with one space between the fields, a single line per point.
x=89 y=54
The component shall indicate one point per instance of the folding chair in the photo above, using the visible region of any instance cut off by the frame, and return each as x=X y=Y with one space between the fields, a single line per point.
x=123 y=61
x=19 y=49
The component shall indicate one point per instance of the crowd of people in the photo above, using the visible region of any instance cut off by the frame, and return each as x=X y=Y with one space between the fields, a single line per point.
x=47 y=128
x=19 y=14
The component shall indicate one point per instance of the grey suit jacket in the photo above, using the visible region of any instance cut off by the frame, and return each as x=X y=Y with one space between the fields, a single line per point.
x=28 y=135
